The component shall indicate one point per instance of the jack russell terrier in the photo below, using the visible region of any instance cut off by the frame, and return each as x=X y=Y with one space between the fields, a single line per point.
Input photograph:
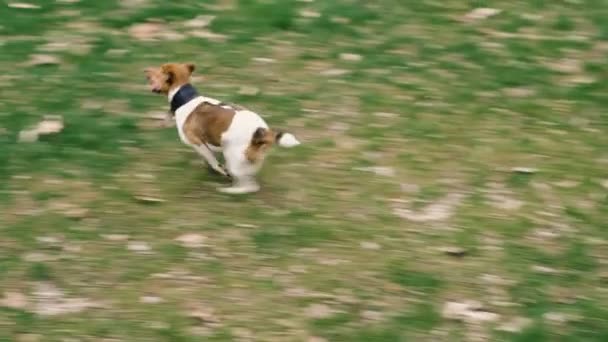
x=211 y=126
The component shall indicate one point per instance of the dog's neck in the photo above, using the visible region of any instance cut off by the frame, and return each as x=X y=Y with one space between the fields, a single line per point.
x=181 y=95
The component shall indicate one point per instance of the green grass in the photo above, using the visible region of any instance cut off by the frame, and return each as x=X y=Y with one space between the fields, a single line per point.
x=357 y=218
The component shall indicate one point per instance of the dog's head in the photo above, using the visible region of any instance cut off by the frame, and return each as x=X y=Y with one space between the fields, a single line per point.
x=168 y=76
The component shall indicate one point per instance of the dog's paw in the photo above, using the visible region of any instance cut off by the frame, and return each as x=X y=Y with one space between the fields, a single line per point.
x=221 y=170
x=236 y=190
x=225 y=171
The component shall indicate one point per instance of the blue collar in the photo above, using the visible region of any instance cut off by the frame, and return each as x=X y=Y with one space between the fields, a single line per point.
x=186 y=93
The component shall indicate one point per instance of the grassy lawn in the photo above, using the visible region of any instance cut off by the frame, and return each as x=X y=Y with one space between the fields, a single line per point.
x=451 y=185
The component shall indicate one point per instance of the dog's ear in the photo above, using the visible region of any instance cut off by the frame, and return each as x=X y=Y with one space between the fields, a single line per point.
x=191 y=67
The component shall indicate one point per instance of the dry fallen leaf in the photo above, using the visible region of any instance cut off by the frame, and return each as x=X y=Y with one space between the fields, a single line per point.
x=116 y=237
x=208 y=35
x=138 y=246
x=440 y=210
x=482 y=13
x=350 y=57
x=371 y=315
x=49 y=125
x=334 y=72
x=319 y=311
x=150 y=300
x=524 y=170
x=191 y=240
x=264 y=60
x=468 y=311
x=518 y=92
x=203 y=314
x=249 y=90
x=566 y=66
x=14 y=300
x=309 y=14
x=384 y=171
x=28 y=136
x=369 y=245
x=316 y=339
x=149 y=199
x=453 y=251
x=51 y=301
x=22 y=5
x=28 y=338
x=145 y=31
x=40 y=59
x=200 y=21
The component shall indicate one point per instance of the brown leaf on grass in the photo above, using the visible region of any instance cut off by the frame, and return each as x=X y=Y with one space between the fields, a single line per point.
x=518 y=92
x=481 y=13
x=150 y=299
x=14 y=300
x=41 y=59
x=385 y=171
x=49 y=300
x=69 y=210
x=51 y=124
x=316 y=339
x=37 y=257
x=319 y=311
x=371 y=315
x=441 y=210
x=28 y=338
x=566 y=66
x=340 y=20
x=116 y=237
x=208 y=35
x=544 y=269
x=334 y=72
x=524 y=170
x=249 y=90
x=306 y=13
x=149 y=199
x=501 y=197
x=369 y=245
x=559 y=318
x=350 y=57
x=515 y=325
x=203 y=314
x=146 y=31
x=191 y=240
x=28 y=136
x=468 y=311
x=139 y=247
x=200 y=21
x=264 y=60
x=22 y=5
x=453 y=251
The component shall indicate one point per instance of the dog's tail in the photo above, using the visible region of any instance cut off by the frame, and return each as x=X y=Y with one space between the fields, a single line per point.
x=287 y=140
x=263 y=138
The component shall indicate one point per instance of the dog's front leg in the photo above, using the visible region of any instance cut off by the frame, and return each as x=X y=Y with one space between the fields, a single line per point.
x=211 y=160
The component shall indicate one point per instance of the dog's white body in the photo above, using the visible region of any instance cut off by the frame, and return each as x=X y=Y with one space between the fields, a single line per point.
x=234 y=142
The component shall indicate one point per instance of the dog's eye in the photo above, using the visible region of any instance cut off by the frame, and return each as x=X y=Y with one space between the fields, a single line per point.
x=170 y=77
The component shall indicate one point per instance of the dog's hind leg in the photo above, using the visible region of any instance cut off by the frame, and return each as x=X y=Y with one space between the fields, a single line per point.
x=242 y=171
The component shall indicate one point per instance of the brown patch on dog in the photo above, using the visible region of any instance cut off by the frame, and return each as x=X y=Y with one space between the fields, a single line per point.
x=207 y=123
x=261 y=141
x=169 y=76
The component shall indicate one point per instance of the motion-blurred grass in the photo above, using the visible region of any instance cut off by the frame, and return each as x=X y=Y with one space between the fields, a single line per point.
x=412 y=119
